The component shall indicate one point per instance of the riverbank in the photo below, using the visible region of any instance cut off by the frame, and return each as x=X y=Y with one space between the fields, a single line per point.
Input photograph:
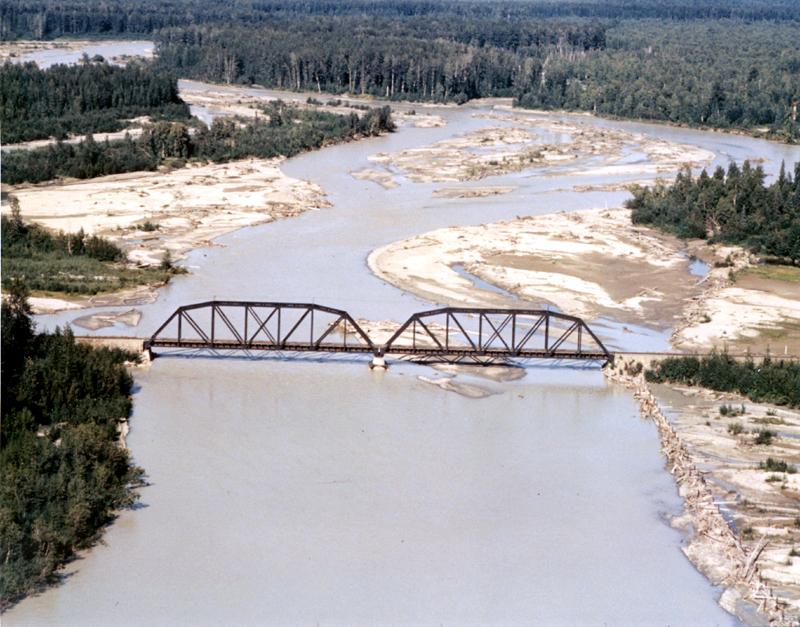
x=217 y=100
x=596 y=263
x=744 y=306
x=152 y=215
x=740 y=518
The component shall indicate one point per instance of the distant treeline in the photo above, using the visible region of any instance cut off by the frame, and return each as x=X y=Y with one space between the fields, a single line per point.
x=734 y=207
x=722 y=74
x=713 y=73
x=413 y=58
x=771 y=381
x=89 y=97
x=63 y=473
x=283 y=131
x=45 y=19
x=718 y=63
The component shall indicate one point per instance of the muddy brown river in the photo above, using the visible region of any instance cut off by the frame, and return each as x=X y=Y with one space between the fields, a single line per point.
x=315 y=491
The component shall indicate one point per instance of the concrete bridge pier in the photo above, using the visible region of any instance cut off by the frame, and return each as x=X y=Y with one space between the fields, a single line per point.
x=378 y=361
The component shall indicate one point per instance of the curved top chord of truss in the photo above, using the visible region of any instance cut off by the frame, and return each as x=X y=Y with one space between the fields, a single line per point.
x=447 y=332
x=509 y=332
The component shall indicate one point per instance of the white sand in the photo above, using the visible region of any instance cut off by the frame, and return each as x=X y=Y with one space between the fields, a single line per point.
x=191 y=205
x=424 y=264
x=538 y=143
x=735 y=312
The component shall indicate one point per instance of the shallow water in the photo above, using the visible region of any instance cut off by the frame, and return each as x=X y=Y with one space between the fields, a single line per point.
x=299 y=492
x=315 y=490
x=106 y=49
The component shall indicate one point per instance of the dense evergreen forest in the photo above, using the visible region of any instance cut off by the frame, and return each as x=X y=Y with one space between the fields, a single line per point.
x=282 y=131
x=68 y=263
x=89 y=97
x=63 y=472
x=727 y=64
x=734 y=207
x=47 y=19
x=770 y=381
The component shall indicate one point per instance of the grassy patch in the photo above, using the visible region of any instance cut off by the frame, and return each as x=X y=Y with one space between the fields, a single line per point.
x=69 y=263
x=64 y=274
x=777 y=465
x=735 y=428
x=764 y=437
x=773 y=271
x=730 y=410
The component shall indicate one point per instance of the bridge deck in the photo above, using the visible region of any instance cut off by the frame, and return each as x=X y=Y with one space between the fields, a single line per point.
x=306 y=347
x=450 y=333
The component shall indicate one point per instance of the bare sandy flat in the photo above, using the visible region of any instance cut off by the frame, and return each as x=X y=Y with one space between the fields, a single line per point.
x=189 y=206
x=585 y=263
x=384 y=178
x=14 y=49
x=531 y=143
x=593 y=263
x=133 y=132
x=472 y=192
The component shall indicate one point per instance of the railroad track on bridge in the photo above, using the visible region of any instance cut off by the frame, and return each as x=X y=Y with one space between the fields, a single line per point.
x=445 y=335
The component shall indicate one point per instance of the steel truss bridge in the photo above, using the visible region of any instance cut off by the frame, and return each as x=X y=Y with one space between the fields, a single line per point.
x=446 y=335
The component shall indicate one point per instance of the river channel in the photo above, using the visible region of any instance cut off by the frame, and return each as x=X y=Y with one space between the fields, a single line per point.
x=313 y=490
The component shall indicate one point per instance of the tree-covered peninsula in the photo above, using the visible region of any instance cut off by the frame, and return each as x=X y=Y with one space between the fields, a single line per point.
x=282 y=131
x=736 y=207
x=89 y=97
x=63 y=473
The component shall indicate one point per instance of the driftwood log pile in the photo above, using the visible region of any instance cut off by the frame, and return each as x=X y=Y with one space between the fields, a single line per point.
x=715 y=549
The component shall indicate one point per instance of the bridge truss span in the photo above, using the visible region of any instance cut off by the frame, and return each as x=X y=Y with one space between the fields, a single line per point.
x=449 y=334
x=481 y=334
x=240 y=325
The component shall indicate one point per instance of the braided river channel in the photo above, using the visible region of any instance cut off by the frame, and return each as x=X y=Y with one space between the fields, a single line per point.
x=313 y=490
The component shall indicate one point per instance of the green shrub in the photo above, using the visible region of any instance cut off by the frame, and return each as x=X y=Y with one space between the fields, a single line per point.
x=735 y=428
x=764 y=437
x=777 y=465
x=69 y=263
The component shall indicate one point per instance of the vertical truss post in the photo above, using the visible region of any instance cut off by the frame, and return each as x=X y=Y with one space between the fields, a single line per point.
x=213 y=322
x=514 y=333
x=246 y=316
x=547 y=331
x=480 y=332
x=180 y=326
